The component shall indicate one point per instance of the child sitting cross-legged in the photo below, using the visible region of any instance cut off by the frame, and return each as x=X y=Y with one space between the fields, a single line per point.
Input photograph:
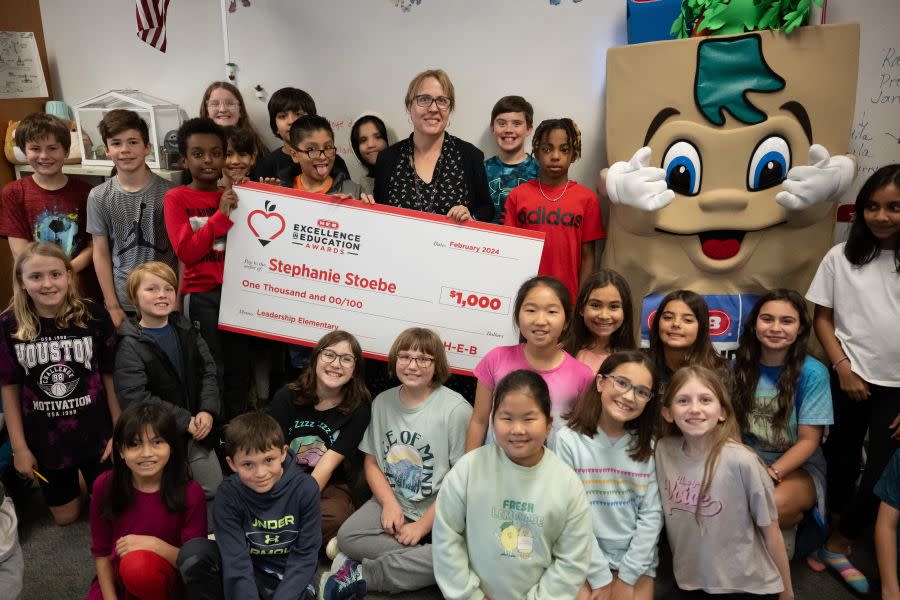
x=266 y=522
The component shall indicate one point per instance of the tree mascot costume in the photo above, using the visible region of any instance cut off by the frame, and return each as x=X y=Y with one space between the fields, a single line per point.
x=730 y=155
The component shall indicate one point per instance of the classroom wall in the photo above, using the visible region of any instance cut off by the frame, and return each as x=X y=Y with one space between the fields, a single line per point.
x=354 y=56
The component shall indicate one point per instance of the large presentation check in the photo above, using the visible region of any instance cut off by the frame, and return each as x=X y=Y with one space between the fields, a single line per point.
x=299 y=265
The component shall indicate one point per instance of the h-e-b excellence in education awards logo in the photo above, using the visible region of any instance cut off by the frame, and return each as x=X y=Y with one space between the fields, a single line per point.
x=267 y=224
x=326 y=236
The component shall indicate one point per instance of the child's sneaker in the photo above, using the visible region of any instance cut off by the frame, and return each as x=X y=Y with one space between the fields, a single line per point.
x=331 y=548
x=345 y=580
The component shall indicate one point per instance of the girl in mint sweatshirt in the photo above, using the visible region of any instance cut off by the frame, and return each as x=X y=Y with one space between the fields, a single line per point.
x=609 y=443
x=511 y=520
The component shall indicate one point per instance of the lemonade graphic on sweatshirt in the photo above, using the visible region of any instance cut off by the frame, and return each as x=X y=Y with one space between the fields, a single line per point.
x=509 y=538
x=517 y=542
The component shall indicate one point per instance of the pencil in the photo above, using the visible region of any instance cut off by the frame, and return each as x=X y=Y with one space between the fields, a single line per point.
x=44 y=479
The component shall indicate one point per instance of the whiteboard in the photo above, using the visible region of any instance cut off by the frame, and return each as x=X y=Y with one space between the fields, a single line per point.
x=359 y=55
x=875 y=137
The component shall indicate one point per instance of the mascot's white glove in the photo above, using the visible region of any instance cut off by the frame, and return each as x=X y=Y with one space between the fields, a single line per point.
x=635 y=183
x=825 y=178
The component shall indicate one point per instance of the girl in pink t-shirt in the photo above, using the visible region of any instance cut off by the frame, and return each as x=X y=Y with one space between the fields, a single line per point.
x=543 y=311
x=145 y=509
x=604 y=319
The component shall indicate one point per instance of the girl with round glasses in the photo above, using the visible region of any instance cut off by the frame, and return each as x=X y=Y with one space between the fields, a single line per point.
x=608 y=441
x=416 y=435
x=324 y=414
x=222 y=102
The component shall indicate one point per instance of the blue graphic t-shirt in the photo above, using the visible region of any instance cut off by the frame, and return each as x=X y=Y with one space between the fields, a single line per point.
x=813 y=396
x=416 y=446
x=502 y=178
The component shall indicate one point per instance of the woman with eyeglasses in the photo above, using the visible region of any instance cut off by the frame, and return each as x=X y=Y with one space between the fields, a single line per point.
x=324 y=414
x=431 y=170
x=222 y=102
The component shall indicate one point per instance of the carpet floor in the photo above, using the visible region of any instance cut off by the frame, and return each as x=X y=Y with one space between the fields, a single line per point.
x=58 y=564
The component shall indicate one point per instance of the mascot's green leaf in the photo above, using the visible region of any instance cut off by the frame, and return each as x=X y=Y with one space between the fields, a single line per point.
x=730 y=17
x=727 y=69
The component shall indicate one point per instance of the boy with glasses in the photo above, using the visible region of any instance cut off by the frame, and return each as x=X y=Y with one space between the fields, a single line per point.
x=312 y=148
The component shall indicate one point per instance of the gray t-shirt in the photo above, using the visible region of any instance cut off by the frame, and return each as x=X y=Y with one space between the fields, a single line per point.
x=133 y=223
x=415 y=447
x=726 y=552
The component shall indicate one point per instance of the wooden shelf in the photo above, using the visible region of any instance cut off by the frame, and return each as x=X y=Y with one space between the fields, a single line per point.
x=97 y=171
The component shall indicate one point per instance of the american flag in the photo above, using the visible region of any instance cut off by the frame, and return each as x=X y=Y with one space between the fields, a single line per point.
x=151 y=22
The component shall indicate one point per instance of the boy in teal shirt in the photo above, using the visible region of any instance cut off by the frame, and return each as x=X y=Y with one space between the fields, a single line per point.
x=511 y=124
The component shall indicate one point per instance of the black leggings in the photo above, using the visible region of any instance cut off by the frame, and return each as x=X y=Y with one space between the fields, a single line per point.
x=843 y=452
x=200 y=565
x=230 y=350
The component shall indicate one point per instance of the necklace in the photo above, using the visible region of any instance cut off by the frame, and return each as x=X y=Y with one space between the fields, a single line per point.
x=548 y=198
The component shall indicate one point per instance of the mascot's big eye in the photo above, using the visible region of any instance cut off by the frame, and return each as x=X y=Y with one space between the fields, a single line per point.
x=770 y=163
x=682 y=166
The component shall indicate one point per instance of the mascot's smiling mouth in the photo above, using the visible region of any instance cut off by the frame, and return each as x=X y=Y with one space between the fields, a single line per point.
x=720 y=244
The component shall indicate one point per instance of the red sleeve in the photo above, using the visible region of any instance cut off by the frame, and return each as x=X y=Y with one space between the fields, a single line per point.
x=102 y=543
x=593 y=218
x=194 y=513
x=191 y=246
x=510 y=208
x=13 y=217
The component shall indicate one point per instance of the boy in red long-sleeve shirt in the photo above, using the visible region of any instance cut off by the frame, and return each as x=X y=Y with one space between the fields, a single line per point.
x=197 y=219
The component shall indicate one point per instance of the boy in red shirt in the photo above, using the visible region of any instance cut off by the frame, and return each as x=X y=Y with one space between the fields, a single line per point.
x=197 y=220
x=49 y=206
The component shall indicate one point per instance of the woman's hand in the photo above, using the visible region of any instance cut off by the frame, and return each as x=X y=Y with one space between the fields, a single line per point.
x=392 y=518
x=459 y=213
x=25 y=463
x=852 y=384
x=367 y=198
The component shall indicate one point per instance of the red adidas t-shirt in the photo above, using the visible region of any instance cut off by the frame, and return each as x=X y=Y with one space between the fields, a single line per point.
x=568 y=223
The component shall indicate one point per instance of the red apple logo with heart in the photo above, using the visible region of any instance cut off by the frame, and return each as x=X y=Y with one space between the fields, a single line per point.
x=267 y=224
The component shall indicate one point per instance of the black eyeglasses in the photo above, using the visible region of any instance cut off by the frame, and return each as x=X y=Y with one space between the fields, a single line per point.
x=329 y=356
x=422 y=361
x=624 y=385
x=425 y=101
x=314 y=153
